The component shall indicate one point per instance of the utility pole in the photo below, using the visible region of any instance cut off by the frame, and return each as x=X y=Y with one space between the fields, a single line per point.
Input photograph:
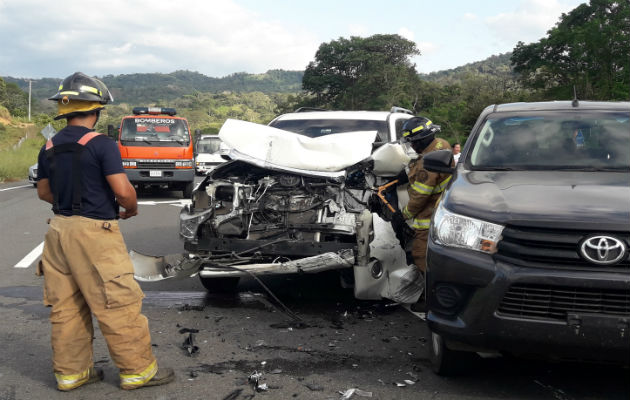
x=29 y=100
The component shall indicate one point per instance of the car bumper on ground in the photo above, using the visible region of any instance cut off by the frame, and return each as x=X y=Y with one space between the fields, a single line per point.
x=160 y=176
x=479 y=304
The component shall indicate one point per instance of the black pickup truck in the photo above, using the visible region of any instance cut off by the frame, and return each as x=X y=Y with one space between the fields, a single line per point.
x=528 y=249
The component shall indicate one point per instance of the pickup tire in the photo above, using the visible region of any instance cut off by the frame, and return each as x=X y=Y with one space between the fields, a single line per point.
x=187 y=190
x=220 y=285
x=447 y=362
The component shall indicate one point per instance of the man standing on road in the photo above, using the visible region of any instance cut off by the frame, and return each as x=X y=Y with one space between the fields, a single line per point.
x=85 y=263
x=424 y=189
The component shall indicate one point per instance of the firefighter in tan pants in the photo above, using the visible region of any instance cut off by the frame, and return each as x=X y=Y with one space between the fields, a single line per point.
x=85 y=263
x=425 y=188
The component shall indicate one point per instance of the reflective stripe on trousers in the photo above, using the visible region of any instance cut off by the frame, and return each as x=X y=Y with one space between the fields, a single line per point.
x=141 y=378
x=68 y=382
x=421 y=224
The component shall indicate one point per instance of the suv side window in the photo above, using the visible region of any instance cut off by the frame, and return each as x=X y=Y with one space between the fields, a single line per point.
x=399 y=124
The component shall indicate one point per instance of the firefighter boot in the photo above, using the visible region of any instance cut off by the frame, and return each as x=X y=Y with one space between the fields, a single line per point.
x=163 y=376
x=67 y=383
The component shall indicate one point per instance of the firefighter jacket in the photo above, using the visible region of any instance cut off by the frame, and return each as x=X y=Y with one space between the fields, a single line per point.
x=425 y=188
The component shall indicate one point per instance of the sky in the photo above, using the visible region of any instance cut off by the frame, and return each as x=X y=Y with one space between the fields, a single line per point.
x=43 y=38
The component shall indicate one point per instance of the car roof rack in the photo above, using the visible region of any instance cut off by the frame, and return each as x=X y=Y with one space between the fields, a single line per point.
x=400 y=110
x=309 y=109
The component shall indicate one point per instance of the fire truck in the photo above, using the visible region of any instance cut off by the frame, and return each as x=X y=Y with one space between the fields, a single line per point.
x=157 y=149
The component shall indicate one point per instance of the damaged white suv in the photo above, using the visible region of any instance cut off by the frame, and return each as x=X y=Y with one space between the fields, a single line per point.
x=294 y=199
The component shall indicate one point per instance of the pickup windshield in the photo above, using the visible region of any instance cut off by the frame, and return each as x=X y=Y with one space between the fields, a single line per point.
x=150 y=131
x=560 y=140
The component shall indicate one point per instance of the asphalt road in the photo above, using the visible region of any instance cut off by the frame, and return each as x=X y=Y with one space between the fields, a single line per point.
x=339 y=343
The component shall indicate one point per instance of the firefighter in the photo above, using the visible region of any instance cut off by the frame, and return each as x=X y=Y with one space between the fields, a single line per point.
x=85 y=264
x=424 y=188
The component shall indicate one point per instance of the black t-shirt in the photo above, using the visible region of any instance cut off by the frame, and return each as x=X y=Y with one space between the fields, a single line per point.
x=99 y=158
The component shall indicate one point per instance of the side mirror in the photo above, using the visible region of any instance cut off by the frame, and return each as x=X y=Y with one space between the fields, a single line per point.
x=111 y=132
x=439 y=161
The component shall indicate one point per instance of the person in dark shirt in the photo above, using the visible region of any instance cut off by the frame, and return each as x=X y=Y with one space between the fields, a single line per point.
x=85 y=263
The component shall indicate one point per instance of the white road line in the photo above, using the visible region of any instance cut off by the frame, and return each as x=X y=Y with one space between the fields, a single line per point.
x=31 y=257
x=15 y=187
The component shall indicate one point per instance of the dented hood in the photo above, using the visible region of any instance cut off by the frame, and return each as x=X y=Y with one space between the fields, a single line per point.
x=287 y=150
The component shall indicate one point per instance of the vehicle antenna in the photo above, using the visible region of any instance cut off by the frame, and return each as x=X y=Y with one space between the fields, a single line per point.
x=575 y=102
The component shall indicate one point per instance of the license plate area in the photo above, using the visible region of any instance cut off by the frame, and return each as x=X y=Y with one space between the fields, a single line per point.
x=598 y=324
x=155 y=173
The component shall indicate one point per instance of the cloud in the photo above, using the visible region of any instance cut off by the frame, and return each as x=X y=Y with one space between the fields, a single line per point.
x=470 y=17
x=529 y=22
x=406 y=33
x=117 y=36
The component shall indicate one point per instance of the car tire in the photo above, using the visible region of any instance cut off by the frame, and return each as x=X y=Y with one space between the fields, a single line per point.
x=220 y=285
x=187 y=190
x=444 y=361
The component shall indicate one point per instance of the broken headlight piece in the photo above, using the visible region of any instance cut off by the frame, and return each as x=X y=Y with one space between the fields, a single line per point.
x=189 y=223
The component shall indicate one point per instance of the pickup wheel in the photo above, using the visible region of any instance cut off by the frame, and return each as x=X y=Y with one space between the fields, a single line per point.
x=220 y=285
x=187 y=190
x=444 y=361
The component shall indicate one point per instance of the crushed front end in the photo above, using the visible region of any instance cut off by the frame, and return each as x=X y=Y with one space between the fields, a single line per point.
x=246 y=218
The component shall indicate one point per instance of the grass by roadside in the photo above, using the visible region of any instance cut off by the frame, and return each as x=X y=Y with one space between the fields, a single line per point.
x=14 y=163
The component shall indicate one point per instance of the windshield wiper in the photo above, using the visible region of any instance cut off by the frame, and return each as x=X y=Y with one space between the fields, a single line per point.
x=482 y=168
x=592 y=169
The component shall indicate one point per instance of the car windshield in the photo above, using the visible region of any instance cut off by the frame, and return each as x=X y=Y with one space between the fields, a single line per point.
x=208 y=145
x=553 y=141
x=143 y=129
x=321 y=127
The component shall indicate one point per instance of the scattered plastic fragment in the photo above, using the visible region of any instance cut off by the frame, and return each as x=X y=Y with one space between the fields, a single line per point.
x=189 y=345
x=254 y=380
x=276 y=371
x=409 y=382
x=350 y=392
x=262 y=388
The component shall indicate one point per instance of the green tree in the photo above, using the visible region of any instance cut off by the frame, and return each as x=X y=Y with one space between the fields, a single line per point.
x=588 y=48
x=13 y=98
x=362 y=73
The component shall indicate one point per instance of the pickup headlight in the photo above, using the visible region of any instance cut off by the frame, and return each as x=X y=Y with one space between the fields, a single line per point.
x=189 y=223
x=454 y=230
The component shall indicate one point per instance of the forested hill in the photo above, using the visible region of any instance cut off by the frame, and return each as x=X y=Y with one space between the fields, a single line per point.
x=494 y=66
x=154 y=87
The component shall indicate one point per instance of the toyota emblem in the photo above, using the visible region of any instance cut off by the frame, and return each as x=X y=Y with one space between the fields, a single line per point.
x=603 y=250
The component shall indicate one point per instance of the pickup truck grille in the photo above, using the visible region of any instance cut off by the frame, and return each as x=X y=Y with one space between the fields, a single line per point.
x=551 y=248
x=555 y=302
